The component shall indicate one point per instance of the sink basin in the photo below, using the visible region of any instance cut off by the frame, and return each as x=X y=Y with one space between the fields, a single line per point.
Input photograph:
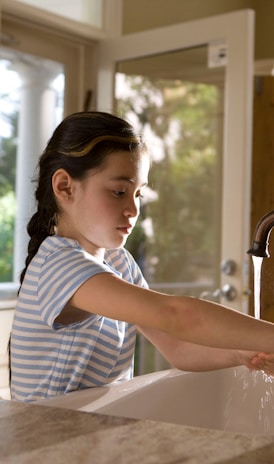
x=232 y=399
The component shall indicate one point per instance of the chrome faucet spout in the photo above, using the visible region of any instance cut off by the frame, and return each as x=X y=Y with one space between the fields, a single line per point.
x=259 y=246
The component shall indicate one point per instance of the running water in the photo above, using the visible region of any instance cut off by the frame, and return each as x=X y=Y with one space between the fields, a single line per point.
x=256 y=385
x=257 y=264
x=251 y=395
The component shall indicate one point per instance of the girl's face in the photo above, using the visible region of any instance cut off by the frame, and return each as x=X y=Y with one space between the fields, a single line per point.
x=101 y=211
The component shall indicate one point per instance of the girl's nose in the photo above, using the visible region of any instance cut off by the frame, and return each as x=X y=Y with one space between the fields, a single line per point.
x=132 y=208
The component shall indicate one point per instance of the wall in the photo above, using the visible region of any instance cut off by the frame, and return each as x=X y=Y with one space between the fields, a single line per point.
x=148 y=14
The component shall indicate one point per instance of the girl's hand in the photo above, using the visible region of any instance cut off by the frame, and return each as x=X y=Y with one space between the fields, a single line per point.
x=263 y=362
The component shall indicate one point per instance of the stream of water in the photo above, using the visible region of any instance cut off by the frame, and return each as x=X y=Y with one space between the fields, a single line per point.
x=256 y=386
x=257 y=264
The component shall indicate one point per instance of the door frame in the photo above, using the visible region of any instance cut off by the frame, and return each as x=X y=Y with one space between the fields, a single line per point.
x=236 y=29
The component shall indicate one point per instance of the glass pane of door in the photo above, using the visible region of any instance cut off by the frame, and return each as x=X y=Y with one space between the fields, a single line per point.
x=176 y=101
x=177 y=104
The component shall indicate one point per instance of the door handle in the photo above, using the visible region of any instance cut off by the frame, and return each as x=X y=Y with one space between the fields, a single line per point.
x=228 y=292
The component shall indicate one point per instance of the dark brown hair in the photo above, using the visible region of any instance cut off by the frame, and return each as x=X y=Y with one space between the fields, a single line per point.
x=80 y=143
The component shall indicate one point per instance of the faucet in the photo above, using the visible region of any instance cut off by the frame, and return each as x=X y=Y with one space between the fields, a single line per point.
x=259 y=246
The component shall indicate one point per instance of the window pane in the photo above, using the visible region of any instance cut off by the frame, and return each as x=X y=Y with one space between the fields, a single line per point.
x=85 y=11
x=9 y=108
x=31 y=105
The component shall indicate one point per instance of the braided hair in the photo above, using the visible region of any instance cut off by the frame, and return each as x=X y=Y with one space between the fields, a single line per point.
x=81 y=142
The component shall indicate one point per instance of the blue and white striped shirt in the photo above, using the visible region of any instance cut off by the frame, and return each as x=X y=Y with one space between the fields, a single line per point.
x=48 y=359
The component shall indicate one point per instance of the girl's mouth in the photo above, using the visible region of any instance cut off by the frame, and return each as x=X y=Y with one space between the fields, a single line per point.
x=125 y=230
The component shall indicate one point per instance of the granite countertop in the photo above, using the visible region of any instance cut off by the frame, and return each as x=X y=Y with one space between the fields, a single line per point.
x=40 y=434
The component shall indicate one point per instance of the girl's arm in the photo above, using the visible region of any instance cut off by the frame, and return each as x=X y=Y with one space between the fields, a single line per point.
x=190 y=319
x=192 y=357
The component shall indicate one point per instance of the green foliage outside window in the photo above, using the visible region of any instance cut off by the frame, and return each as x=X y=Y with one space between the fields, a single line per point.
x=8 y=147
x=184 y=216
x=7 y=215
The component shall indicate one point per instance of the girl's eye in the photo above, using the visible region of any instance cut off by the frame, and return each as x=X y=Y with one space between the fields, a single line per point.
x=139 y=195
x=119 y=193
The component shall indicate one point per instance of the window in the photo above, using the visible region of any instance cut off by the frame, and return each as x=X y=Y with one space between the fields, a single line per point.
x=39 y=85
x=84 y=11
x=31 y=106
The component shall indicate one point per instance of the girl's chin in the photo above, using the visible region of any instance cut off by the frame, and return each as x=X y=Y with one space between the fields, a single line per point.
x=117 y=244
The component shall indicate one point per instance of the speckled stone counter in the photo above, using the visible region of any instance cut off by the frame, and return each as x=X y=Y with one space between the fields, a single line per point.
x=41 y=434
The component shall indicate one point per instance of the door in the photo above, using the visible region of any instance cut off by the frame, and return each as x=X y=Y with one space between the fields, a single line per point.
x=188 y=89
x=227 y=40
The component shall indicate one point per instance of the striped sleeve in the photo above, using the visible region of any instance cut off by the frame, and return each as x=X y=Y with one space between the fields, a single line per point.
x=61 y=274
x=122 y=260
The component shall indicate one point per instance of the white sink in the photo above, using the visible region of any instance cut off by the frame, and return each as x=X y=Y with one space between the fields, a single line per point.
x=232 y=399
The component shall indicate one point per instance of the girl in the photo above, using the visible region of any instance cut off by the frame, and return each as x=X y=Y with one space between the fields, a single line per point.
x=82 y=295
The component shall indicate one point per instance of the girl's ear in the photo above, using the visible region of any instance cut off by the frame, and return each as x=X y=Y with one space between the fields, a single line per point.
x=62 y=184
